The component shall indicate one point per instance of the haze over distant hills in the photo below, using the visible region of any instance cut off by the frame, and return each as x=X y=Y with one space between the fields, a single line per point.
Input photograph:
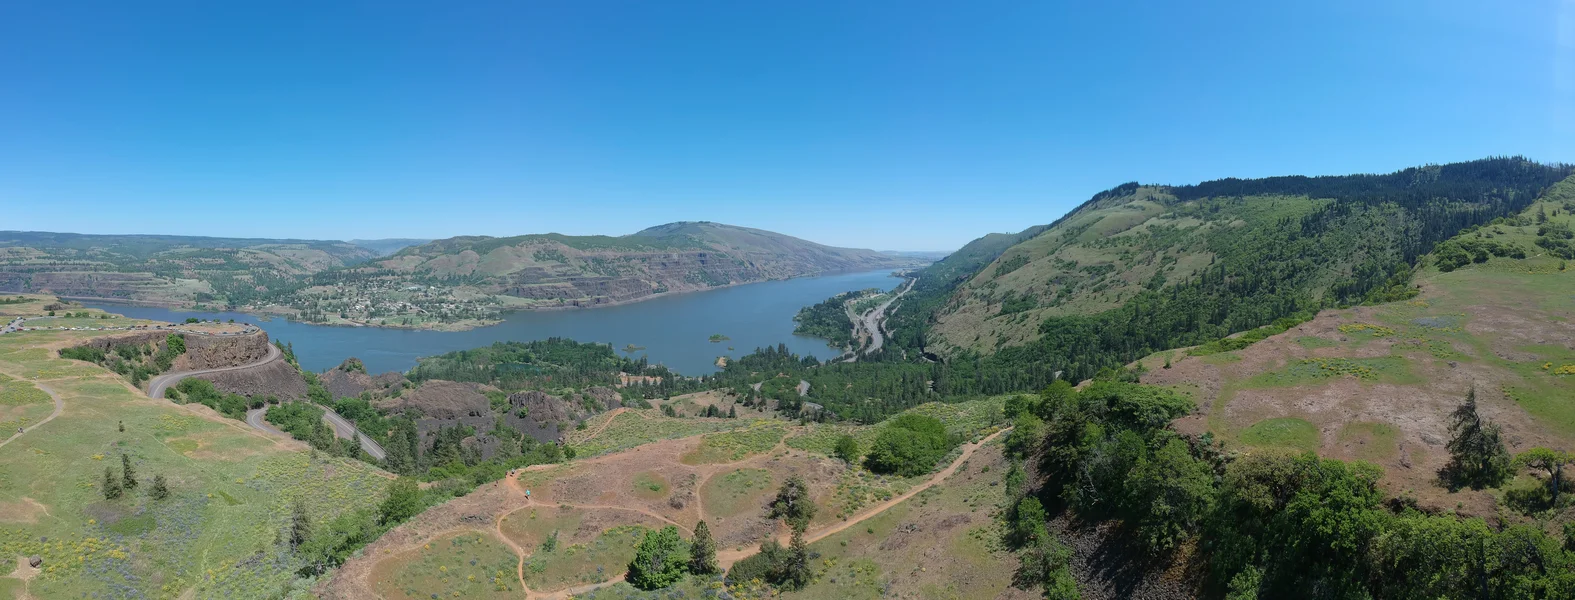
x=454 y=282
x=387 y=246
x=560 y=270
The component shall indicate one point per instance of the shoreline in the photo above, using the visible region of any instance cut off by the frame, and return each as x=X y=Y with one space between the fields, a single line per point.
x=188 y=307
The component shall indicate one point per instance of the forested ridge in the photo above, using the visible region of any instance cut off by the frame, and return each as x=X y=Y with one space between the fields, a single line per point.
x=1293 y=246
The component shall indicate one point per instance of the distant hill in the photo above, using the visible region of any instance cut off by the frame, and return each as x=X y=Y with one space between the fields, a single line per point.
x=1141 y=268
x=167 y=269
x=550 y=270
x=387 y=246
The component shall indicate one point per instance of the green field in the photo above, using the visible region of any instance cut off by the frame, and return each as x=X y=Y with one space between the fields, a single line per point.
x=215 y=536
x=1285 y=432
x=464 y=565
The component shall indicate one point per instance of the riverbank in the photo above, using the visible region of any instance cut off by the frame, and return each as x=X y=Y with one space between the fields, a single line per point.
x=670 y=329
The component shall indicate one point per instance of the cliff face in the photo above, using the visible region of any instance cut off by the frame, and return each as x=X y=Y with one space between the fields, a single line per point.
x=212 y=352
x=276 y=378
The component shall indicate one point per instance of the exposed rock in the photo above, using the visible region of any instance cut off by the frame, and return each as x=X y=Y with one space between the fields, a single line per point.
x=211 y=352
x=34 y=561
x=442 y=400
x=608 y=398
x=276 y=378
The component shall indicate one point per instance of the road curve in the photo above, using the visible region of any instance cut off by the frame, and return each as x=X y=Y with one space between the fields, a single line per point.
x=345 y=429
x=59 y=406
x=254 y=417
x=159 y=384
x=342 y=428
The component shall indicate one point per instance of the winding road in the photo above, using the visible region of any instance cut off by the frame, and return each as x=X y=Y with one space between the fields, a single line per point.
x=871 y=322
x=342 y=428
x=159 y=384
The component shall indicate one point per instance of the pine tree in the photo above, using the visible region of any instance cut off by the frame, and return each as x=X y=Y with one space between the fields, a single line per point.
x=111 y=484
x=128 y=475
x=300 y=525
x=1478 y=457
x=702 y=551
x=796 y=573
x=732 y=412
x=160 y=491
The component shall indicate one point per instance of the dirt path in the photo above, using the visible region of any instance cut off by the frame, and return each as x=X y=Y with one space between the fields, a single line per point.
x=726 y=559
x=59 y=406
x=611 y=414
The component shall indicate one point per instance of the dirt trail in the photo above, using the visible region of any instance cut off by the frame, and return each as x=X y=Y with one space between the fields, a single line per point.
x=611 y=414
x=59 y=406
x=726 y=559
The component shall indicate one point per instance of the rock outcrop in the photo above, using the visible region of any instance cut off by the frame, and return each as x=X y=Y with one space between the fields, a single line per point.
x=215 y=351
x=277 y=378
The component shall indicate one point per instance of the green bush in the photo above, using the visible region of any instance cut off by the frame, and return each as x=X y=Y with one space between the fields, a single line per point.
x=909 y=445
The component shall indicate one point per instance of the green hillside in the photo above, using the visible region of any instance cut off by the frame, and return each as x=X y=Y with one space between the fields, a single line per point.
x=1142 y=268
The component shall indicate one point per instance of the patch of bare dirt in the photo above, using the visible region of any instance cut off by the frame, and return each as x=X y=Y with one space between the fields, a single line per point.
x=23 y=510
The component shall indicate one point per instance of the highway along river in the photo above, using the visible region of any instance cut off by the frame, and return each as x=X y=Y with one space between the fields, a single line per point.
x=674 y=330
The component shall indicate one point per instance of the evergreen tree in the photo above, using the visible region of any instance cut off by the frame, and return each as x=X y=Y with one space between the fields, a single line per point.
x=403 y=502
x=796 y=573
x=702 y=551
x=128 y=475
x=659 y=560
x=111 y=484
x=1478 y=457
x=300 y=525
x=122 y=425
x=793 y=504
x=160 y=490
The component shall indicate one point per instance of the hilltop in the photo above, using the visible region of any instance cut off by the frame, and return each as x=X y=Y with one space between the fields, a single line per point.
x=164 y=269
x=471 y=279
x=1150 y=267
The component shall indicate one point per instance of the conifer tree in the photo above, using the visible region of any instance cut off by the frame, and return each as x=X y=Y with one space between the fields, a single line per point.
x=160 y=490
x=128 y=475
x=111 y=484
x=702 y=551
x=1478 y=457
x=300 y=525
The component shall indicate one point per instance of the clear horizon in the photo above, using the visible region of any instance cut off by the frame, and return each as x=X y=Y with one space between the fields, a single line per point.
x=883 y=125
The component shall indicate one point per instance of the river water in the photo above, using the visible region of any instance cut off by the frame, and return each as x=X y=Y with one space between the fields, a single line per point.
x=673 y=329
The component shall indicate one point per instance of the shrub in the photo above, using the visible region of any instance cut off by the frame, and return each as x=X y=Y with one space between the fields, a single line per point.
x=909 y=445
x=659 y=561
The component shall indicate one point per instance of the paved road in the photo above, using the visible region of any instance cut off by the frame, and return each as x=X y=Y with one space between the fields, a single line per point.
x=345 y=429
x=342 y=428
x=254 y=417
x=158 y=384
x=12 y=326
x=872 y=321
x=59 y=406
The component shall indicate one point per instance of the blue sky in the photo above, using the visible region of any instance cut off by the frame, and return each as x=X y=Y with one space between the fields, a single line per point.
x=894 y=125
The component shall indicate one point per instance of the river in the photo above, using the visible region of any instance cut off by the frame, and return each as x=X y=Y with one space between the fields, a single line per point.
x=674 y=330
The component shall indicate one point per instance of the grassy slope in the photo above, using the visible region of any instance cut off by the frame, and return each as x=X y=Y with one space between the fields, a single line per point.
x=1091 y=261
x=215 y=535
x=1376 y=383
